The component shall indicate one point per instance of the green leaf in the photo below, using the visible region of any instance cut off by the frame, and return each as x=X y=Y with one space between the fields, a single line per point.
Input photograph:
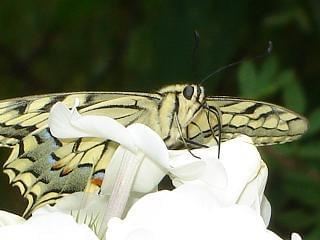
x=285 y=78
x=314 y=122
x=295 y=15
x=290 y=219
x=300 y=184
x=293 y=95
x=267 y=80
x=310 y=150
x=259 y=84
x=314 y=233
x=268 y=71
x=247 y=78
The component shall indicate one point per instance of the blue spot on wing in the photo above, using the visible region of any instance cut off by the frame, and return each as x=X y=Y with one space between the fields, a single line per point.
x=98 y=175
x=51 y=160
x=45 y=134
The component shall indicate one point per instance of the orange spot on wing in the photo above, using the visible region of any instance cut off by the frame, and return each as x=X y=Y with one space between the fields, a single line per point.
x=66 y=171
x=97 y=181
x=57 y=166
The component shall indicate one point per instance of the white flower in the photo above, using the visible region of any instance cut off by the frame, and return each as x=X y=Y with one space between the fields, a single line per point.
x=187 y=214
x=172 y=215
x=245 y=174
x=203 y=208
x=214 y=199
x=43 y=225
x=138 y=165
x=7 y=219
x=295 y=236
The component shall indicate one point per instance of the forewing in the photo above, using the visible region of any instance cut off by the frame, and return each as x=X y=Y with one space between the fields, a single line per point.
x=44 y=167
x=265 y=123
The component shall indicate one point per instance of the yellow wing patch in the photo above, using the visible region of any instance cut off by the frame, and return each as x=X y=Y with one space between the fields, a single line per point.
x=265 y=123
x=45 y=168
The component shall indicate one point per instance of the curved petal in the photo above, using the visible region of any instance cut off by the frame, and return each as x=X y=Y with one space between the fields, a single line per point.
x=150 y=143
x=207 y=168
x=295 y=236
x=187 y=171
x=7 y=218
x=252 y=193
x=147 y=178
x=64 y=123
x=265 y=210
x=242 y=163
x=44 y=225
x=116 y=232
x=189 y=212
x=59 y=122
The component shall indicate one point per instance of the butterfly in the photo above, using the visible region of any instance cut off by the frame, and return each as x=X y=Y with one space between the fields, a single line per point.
x=46 y=168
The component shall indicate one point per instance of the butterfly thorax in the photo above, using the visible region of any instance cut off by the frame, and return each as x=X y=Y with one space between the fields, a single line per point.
x=180 y=104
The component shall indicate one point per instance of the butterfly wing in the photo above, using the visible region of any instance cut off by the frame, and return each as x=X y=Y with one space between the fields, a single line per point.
x=44 y=167
x=265 y=123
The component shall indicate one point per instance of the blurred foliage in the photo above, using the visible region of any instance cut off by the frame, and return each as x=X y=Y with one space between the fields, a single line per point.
x=60 y=45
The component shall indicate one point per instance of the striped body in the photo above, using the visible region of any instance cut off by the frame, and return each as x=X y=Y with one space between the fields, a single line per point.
x=46 y=168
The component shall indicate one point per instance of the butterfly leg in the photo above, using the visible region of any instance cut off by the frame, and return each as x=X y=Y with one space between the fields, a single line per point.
x=217 y=114
x=182 y=138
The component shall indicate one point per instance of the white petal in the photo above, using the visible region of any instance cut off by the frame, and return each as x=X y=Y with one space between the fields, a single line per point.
x=242 y=163
x=150 y=143
x=7 y=218
x=148 y=177
x=47 y=226
x=239 y=164
x=265 y=210
x=59 y=122
x=188 y=170
x=190 y=212
x=252 y=193
x=272 y=236
x=295 y=236
x=153 y=167
x=207 y=168
x=77 y=201
x=115 y=232
x=64 y=123
x=84 y=207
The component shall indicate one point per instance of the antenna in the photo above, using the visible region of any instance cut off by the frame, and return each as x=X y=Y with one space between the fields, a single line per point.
x=267 y=52
x=194 y=52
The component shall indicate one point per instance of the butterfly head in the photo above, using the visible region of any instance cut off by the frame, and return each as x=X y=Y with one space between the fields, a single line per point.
x=193 y=93
x=188 y=100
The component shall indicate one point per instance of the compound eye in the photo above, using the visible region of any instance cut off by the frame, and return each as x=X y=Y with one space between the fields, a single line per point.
x=188 y=92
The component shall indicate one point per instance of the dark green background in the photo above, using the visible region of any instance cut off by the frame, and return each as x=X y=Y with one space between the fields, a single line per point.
x=58 y=46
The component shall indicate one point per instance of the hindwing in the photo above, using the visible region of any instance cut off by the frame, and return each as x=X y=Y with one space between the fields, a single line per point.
x=44 y=167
